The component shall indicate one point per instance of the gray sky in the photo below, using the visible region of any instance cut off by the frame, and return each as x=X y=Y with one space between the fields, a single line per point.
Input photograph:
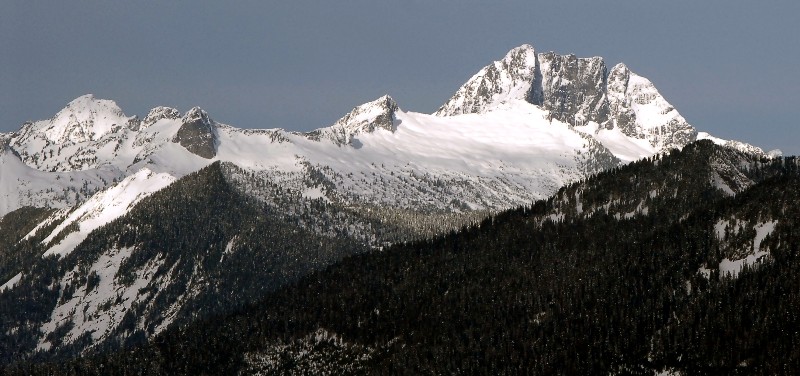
x=730 y=67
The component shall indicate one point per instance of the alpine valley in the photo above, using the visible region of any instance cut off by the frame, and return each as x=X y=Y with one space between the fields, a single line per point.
x=553 y=216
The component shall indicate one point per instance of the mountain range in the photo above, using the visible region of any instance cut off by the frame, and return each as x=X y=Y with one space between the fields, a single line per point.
x=650 y=268
x=115 y=229
x=516 y=131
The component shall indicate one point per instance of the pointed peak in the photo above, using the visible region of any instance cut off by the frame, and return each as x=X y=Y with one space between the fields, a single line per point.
x=518 y=61
x=195 y=114
x=621 y=67
x=83 y=119
x=523 y=47
x=386 y=98
x=618 y=76
x=159 y=113
x=88 y=102
x=507 y=79
x=378 y=110
x=570 y=88
x=163 y=112
x=83 y=98
x=366 y=118
x=525 y=50
x=385 y=102
x=638 y=110
x=570 y=59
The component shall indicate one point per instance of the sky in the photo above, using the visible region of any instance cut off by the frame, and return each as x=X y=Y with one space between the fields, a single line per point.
x=729 y=67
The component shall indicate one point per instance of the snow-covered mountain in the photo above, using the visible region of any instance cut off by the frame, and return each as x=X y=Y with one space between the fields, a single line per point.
x=688 y=262
x=580 y=92
x=517 y=131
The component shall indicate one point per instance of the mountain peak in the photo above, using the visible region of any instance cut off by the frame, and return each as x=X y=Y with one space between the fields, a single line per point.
x=159 y=113
x=86 y=98
x=571 y=88
x=197 y=114
x=198 y=133
x=576 y=91
x=507 y=79
x=523 y=48
x=85 y=118
x=371 y=115
x=621 y=67
x=366 y=118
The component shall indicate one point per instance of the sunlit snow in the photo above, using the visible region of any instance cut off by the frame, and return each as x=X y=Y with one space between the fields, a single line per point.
x=734 y=267
x=106 y=206
x=11 y=282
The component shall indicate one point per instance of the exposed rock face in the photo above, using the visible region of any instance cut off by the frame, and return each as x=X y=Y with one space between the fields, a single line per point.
x=622 y=115
x=597 y=158
x=5 y=147
x=197 y=134
x=572 y=89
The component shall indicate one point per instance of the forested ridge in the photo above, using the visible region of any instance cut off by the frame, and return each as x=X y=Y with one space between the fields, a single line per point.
x=213 y=241
x=606 y=277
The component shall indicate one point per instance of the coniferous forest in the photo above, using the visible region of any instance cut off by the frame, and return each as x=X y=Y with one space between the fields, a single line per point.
x=650 y=267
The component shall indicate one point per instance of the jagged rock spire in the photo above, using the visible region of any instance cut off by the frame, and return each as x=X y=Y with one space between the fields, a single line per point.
x=197 y=133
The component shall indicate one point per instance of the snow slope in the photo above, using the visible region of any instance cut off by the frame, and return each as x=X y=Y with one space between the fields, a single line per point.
x=732 y=268
x=104 y=207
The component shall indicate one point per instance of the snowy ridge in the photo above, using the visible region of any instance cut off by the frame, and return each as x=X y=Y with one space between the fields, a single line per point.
x=104 y=207
x=22 y=185
x=11 y=282
x=516 y=132
x=415 y=158
x=738 y=145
